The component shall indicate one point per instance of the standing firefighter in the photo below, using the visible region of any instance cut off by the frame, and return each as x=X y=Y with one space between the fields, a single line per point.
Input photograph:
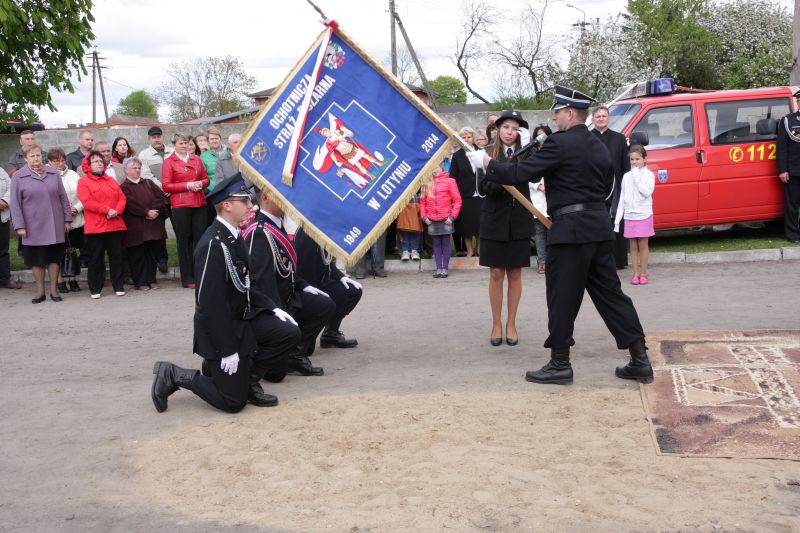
x=580 y=247
x=788 y=155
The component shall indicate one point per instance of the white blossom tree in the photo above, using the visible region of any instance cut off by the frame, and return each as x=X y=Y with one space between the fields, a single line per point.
x=756 y=37
x=601 y=60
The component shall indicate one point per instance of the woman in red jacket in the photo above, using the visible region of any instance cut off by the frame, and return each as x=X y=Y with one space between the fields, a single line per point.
x=184 y=177
x=103 y=205
x=439 y=208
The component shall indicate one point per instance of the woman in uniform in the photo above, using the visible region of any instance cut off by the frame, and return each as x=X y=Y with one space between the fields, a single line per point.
x=505 y=231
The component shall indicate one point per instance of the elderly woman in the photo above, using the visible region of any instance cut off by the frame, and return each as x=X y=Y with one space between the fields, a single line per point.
x=145 y=210
x=183 y=177
x=41 y=214
x=57 y=159
x=103 y=205
x=468 y=223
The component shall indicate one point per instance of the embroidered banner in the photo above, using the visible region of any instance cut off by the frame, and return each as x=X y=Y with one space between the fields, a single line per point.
x=366 y=146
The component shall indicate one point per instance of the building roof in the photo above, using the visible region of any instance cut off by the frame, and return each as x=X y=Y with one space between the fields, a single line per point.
x=266 y=93
x=204 y=121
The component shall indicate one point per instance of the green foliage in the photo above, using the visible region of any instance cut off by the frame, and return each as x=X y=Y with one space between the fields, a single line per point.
x=138 y=104
x=205 y=87
x=756 y=37
x=42 y=44
x=449 y=90
x=676 y=40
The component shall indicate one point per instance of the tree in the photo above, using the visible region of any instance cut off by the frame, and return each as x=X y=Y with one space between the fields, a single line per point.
x=207 y=86
x=449 y=90
x=42 y=46
x=675 y=37
x=138 y=104
x=756 y=38
x=600 y=61
x=477 y=19
x=528 y=54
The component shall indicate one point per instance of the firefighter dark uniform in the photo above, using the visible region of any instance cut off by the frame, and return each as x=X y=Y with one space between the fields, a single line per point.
x=318 y=268
x=223 y=322
x=273 y=260
x=580 y=248
x=617 y=146
x=788 y=158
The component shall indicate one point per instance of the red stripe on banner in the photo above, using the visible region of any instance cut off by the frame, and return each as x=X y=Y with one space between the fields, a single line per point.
x=304 y=112
x=249 y=230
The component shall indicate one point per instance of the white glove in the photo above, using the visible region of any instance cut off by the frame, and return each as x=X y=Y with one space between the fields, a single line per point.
x=476 y=159
x=314 y=290
x=524 y=136
x=283 y=315
x=347 y=282
x=230 y=364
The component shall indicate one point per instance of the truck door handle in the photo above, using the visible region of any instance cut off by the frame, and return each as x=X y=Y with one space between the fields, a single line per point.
x=700 y=156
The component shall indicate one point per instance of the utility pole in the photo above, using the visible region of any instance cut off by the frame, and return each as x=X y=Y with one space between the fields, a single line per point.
x=94 y=91
x=583 y=24
x=794 y=76
x=102 y=90
x=416 y=61
x=394 y=41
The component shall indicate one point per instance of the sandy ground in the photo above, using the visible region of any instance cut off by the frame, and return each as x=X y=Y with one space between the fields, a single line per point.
x=423 y=427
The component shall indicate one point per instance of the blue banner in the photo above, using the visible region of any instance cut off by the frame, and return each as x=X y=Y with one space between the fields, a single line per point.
x=366 y=146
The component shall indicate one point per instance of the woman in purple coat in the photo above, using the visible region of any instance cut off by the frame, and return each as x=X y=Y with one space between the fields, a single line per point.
x=41 y=214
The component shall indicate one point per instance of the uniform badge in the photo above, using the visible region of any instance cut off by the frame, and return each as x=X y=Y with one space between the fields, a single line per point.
x=662 y=176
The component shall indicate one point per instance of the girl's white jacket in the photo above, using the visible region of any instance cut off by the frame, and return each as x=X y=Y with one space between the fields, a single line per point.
x=636 y=196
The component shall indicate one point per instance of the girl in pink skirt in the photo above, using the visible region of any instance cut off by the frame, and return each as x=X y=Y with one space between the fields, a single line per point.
x=636 y=207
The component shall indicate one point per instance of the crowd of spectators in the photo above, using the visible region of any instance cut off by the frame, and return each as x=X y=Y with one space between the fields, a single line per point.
x=108 y=200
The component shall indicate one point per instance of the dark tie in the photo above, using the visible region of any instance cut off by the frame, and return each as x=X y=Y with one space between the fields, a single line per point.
x=509 y=151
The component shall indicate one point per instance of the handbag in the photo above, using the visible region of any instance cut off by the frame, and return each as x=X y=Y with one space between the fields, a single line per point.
x=70 y=263
x=408 y=219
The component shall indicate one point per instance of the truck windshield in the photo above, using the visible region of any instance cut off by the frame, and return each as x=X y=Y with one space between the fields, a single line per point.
x=621 y=114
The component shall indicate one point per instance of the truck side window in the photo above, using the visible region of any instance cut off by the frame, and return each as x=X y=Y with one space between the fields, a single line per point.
x=668 y=127
x=744 y=121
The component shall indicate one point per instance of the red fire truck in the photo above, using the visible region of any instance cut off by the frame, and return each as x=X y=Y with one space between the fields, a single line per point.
x=713 y=152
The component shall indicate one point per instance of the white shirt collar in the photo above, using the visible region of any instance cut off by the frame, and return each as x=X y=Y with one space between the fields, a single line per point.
x=184 y=159
x=234 y=231
x=278 y=222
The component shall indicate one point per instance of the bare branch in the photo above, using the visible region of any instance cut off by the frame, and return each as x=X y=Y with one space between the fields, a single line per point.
x=477 y=18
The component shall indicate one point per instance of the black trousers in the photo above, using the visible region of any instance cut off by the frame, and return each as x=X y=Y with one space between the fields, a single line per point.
x=573 y=268
x=621 y=246
x=97 y=245
x=276 y=341
x=791 y=208
x=5 y=259
x=189 y=224
x=345 y=298
x=142 y=260
x=312 y=313
x=225 y=392
x=162 y=256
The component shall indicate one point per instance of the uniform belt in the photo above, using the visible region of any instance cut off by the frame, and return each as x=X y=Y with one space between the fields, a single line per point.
x=574 y=208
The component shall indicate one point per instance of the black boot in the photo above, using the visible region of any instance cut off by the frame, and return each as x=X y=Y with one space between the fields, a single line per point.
x=558 y=371
x=332 y=337
x=301 y=364
x=73 y=285
x=639 y=367
x=257 y=396
x=62 y=287
x=168 y=379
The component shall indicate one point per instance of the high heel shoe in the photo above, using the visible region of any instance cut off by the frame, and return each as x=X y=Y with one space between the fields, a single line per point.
x=495 y=341
x=55 y=298
x=512 y=342
x=38 y=299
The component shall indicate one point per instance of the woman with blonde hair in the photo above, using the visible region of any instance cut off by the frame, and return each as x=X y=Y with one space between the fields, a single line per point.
x=468 y=223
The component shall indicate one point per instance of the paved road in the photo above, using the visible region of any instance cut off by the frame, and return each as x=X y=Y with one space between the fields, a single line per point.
x=75 y=399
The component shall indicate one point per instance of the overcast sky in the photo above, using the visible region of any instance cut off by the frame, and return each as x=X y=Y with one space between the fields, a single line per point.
x=139 y=39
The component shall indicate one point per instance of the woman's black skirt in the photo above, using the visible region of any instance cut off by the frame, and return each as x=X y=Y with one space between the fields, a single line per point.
x=41 y=256
x=505 y=254
x=468 y=223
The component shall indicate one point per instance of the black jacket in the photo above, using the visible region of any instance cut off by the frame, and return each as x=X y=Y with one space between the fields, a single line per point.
x=577 y=169
x=268 y=285
x=788 y=151
x=310 y=265
x=502 y=217
x=461 y=171
x=617 y=146
x=220 y=318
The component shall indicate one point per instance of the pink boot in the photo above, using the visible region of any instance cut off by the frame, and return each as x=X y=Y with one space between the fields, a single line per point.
x=635 y=279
